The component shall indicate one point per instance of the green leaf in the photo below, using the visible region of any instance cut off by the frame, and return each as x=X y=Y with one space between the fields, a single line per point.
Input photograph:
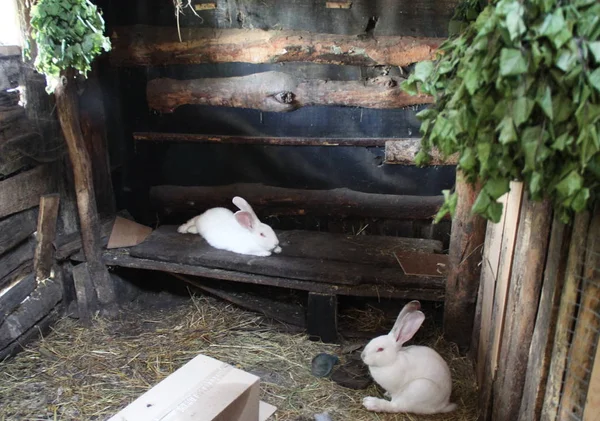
x=566 y=60
x=594 y=48
x=562 y=141
x=594 y=79
x=514 y=22
x=512 y=62
x=580 y=200
x=552 y=24
x=494 y=212
x=569 y=185
x=468 y=159
x=481 y=203
x=521 y=110
x=423 y=70
x=422 y=158
x=496 y=187
x=508 y=133
x=535 y=183
x=544 y=100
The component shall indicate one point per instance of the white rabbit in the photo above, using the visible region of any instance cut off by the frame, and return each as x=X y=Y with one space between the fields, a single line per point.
x=416 y=378
x=240 y=232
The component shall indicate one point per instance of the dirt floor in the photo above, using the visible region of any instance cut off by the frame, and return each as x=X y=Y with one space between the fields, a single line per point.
x=77 y=373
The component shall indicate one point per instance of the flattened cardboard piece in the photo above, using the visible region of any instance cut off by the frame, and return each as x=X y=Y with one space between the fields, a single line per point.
x=126 y=233
x=265 y=410
x=204 y=389
x=422 y=264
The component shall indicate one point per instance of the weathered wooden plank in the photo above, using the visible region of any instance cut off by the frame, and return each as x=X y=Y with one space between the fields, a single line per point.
x=404 y=151
x=15 y=258
x=592 y=403
x=23 y=191
x=269 y=201
x=587 y=329
x=166 y=244
x=566 y=315
x=521 y=307
x=545 y=323
x=87 y=298
x=12 y=295
x=39 y=304
x=464 y=258
x=16 y=228
x=278 y=92
x=12 y=155
x=43 y=258
x=153 y=45
x=485 y=300
x=121 y=258
x=512 y=214
x=42 y=327
x=67 y=245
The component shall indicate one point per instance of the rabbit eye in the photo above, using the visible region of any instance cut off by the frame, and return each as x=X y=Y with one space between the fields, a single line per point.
x=262 y=234
x=379 y=349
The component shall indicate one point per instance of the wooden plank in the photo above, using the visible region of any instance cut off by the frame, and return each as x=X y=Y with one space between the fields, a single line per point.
x=23 y=191
x=485 y=300
x=46 y=232
x=511 y=223
x=16 y=228
x=68 y=115
x=38 y=305
x=277 y=310
x=592 y=403
x=42 y=327
x=87 y=299
x=13 y=156
x=566 y=315
x=121 y=258
x=587 y=329
x=462 y=284
x=269 y=201
x=142 y=45
x=15 y=258
x=403 y=152
x=167 y=245
x=279 y=92
x=540 y=351
x=12 y=295
x=321 y=317
x=521 y=307
x=10 y=70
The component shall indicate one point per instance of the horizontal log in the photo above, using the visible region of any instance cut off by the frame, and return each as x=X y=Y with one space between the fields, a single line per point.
x=39 y=304
x=269 y=201
x=404 y=151
x=157 y=46
x=42 y=327
x=16 y=258
x=9 y=99
x=13 y=152
x=278 y=92
x=23 y=191
x=12 y=295
x=118 y=258
x=16 y=228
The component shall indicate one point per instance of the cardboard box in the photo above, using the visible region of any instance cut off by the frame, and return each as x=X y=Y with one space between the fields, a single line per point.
x=204 y=389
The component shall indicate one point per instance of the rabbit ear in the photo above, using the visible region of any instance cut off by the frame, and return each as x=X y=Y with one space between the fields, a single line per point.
x=408 y=308
x=243 y=205
x=408 y=327
x=245 y=219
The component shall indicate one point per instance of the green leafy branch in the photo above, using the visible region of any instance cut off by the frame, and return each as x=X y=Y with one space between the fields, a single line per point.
x=517 y=96
x=68 y=34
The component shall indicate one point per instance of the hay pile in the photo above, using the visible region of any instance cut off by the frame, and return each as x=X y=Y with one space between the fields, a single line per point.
x=77 y=373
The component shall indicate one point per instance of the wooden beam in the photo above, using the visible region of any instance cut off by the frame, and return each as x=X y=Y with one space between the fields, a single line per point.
x=23 y=190
x=587 y=329
x=68 y=113
x=592 y=403
x=521 y=307
x=403 y=152
x=13 y=295
x=46 y=232
x=41 y=327
x=540 y=351
x=278 y=92
x=267 y=200
x=158 y=46
x=462 y=283
x=16 y=228
x=12 y=155
x=15 y=258
x=567 y=313
x=87 y=298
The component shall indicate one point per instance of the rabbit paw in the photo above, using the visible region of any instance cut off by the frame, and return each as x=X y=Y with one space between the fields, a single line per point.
x=375 y=404
x=277 y=249
x=262 y=253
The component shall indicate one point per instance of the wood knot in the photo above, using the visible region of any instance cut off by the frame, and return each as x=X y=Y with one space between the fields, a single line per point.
x=285 y=97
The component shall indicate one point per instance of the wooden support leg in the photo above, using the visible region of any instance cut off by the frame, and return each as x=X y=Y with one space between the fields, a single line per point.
x=87 y=302
x=322 y=317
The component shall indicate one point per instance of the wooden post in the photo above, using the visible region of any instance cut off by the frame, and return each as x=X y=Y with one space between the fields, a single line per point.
x=566 y=315
x=466 y=242
x=66 y=102
x=521 y=307
x=46 y=232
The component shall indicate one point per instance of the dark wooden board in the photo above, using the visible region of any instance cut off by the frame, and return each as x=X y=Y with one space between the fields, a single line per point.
x=16 y=228
x=121 y=258
x=15 y=293
x=23 y=191
x=165 y=244
x=15 y=258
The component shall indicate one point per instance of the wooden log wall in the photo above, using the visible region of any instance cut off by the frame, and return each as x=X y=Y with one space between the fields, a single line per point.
x=537 y=322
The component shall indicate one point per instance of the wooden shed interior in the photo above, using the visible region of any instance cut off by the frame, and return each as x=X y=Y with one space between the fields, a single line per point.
x=295 y=106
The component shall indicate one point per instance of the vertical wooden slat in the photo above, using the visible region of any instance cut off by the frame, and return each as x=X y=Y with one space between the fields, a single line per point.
x=587 y=328
x=462 y=283
x=513 y=212
x=566 y=314
x=545 y=324
x=46 y=232
x=592 y=403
